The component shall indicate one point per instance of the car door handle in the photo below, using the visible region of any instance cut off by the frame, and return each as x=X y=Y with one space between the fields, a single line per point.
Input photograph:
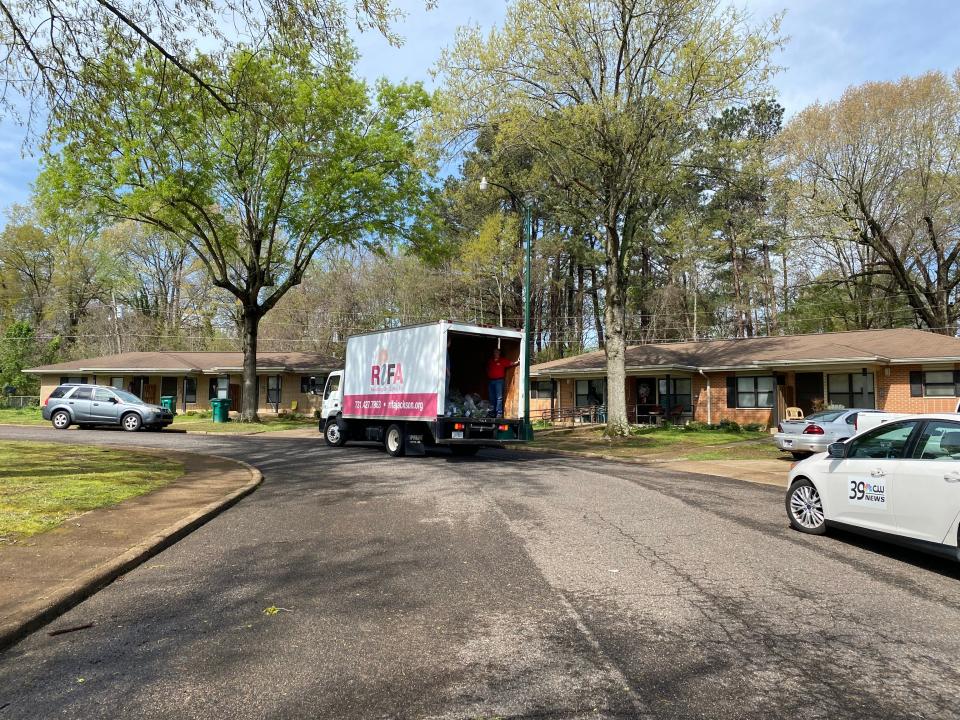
x=877 y=473
x=952 y=477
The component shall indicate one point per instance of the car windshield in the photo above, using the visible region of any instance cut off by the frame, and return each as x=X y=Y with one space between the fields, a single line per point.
x=826 y=416
x=127 y=397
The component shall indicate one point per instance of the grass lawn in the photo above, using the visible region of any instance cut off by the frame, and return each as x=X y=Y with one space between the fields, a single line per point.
x=24 y=416
x=268 y=423
x=44 y=484
x=672 y=443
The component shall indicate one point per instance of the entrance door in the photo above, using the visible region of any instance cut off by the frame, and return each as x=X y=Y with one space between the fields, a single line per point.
x=235 y=396
x=809 y=388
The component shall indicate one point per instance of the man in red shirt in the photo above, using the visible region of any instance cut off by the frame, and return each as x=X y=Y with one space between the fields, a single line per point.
x=496 y=369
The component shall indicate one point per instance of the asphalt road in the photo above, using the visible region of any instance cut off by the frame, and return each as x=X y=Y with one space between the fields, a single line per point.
x=510 y=586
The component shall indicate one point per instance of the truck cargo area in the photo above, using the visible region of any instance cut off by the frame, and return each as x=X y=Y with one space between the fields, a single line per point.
x=468 y=373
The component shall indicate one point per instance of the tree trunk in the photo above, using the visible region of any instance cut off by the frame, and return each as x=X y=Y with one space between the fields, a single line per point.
x=251 y=326
x=595 y=301
x=615 y=343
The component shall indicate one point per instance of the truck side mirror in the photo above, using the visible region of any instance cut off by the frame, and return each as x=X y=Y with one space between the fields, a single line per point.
x=837 y=450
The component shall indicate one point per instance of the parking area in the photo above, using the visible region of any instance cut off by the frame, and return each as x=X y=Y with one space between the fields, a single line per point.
x=351 y=584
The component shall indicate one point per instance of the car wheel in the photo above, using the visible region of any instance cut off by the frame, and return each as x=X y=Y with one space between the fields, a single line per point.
x=60 y=420
x=805 y=508
x=335 y=433
x=131 y=422
x=395 y=440
x=464 y=450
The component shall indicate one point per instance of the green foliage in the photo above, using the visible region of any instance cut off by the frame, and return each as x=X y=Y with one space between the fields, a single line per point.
x=289 y=156
x=17 y=351
x=728 y=425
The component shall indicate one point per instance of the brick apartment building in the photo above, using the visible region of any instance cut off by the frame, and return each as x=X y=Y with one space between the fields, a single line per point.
x=286 y=381
x=753 y=380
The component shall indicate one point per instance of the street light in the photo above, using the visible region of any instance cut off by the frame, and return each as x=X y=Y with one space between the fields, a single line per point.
x=526 y=428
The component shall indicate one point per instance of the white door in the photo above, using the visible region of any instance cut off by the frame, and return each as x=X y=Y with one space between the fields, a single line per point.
x=859 y=486
x=332 y=396
x=927 y=487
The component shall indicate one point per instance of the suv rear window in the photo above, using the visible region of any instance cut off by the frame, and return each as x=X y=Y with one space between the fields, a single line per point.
x=59 y=392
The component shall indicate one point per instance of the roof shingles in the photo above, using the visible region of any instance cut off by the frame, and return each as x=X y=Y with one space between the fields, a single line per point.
x=185 y=362
x=896 y=345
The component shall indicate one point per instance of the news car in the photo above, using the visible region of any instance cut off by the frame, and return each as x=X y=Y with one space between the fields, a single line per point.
x=899 y=481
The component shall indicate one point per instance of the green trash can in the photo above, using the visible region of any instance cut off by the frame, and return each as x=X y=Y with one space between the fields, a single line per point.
x=169 y=402
x=221 y=409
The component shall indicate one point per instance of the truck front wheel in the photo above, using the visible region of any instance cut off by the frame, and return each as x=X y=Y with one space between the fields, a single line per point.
x=395 y=440
x=335 y=433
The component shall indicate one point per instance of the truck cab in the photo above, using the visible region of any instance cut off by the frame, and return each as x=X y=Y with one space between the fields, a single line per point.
x=332 y=397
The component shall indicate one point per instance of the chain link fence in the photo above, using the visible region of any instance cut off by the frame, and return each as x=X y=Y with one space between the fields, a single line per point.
x=19 y=401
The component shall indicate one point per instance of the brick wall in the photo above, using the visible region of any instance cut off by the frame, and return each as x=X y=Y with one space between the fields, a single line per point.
x=893 y=392
x=718 y=402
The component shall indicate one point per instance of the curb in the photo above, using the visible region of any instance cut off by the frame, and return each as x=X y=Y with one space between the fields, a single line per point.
x=36 y=614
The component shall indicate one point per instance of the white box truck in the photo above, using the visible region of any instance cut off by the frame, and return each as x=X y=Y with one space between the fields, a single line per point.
x=394 y=389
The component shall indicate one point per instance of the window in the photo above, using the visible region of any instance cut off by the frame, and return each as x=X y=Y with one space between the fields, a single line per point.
x=750 y=392
x=679 y=393
x=333 y=384
x=220 y=387
x=541 y=390
x=309 y=385
x=935 y=383
x=168 y=386
x=889 y=442
x=83 y=393
x=189 y=389
x=58 y=392
x=273 y=389
x=75 y=380
x=117 y=382
x=591 y=392
x=103 y=396
x=940 y=440
x=851 y=390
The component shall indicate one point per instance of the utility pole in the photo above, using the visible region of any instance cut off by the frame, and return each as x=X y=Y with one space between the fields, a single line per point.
x=116 y=321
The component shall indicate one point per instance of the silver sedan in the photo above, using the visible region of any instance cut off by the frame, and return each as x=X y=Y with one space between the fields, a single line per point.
x=813 y=434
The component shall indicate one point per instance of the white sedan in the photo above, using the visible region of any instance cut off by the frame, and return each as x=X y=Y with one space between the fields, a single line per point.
x=899 y=481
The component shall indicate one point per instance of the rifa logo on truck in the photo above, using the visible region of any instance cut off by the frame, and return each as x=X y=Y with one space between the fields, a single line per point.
x=384 y=373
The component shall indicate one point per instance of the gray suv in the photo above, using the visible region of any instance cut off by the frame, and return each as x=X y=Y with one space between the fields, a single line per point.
x=89 y=405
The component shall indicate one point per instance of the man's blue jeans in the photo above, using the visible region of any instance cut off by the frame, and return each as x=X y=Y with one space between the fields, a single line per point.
x=496 y=396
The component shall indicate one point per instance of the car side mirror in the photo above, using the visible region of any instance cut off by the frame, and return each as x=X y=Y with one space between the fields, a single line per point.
x=837 y=450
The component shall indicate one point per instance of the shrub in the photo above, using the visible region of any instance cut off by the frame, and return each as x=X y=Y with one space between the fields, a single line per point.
x=753 y=427
x=730 y=425
x=696 y=426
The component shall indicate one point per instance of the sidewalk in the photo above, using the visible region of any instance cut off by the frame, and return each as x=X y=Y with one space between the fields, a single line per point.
x=45 y=575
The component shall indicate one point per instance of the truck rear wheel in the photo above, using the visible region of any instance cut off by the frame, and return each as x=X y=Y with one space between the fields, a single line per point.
x=395 y=440
x=335 y=433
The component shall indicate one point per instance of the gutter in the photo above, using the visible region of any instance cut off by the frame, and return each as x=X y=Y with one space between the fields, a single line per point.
x=709 y=398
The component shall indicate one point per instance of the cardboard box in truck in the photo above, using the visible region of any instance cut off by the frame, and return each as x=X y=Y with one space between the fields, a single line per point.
x=395 y=388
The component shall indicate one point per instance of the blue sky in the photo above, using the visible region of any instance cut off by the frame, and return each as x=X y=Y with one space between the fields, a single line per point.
x=833 y=44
